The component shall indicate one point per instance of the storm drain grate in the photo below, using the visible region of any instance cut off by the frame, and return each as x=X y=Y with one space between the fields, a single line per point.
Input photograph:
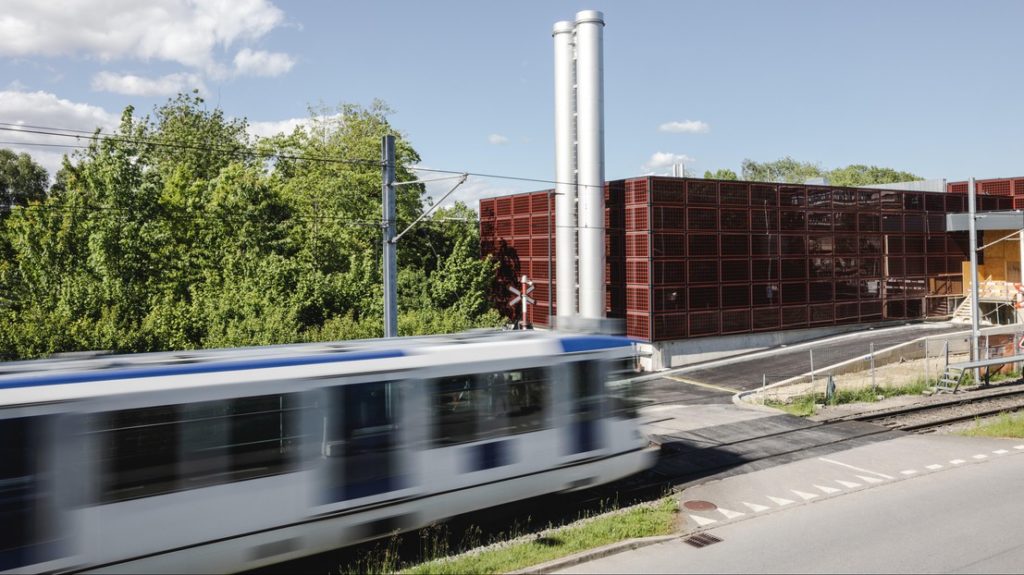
x=702 y=540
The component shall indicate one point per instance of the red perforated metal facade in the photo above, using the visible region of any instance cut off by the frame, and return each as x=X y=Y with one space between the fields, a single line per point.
x=693 y=257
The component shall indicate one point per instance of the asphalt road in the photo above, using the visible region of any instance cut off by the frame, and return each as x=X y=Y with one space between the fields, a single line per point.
x=782 y=363
x=918 y=505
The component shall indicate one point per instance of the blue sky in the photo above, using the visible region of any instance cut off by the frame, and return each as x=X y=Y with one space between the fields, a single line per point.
x=935 y=88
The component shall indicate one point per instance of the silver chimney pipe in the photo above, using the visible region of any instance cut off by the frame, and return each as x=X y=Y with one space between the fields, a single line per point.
x=565 y=172
x=590 y=160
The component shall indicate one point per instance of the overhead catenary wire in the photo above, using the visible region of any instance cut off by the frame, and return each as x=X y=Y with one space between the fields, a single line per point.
x=98 y=135
x=317 y=215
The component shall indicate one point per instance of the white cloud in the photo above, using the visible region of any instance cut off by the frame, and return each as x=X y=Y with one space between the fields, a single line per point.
x=260 y=63
x=188 y=32
x=497 y=139
x=47 y=110
x=273 y=128
x=662 y=160
x=132 y=85
x=268 y=128
x=686 y=127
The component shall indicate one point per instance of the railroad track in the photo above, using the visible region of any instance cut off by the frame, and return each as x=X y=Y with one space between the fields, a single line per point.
x=927 y=417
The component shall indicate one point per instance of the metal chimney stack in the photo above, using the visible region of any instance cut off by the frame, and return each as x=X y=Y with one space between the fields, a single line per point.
x=590 y=159
x=565 y=172
x=588 y=65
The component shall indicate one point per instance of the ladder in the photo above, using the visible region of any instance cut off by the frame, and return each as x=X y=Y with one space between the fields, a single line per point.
x=950 y=380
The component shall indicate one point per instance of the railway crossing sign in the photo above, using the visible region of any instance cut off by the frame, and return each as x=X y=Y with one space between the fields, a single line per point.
x=522 y=295
x=528 y=287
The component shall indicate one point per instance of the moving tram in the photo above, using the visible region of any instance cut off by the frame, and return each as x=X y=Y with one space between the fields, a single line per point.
x=227 y=460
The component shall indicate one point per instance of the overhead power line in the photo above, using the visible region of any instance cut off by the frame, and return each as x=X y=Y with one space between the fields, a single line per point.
x=242 y=151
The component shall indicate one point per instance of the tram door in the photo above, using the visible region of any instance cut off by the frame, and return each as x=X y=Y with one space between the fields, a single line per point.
x=586 y=407
x=28 y=530
x=361 y=441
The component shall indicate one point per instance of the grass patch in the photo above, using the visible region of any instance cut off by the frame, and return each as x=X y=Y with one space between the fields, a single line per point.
x=1005 y=425
x=658 y=518
x=804 y=405
x=997 y=377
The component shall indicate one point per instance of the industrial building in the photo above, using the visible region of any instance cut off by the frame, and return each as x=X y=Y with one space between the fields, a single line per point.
x=692 y=258
x=697 y=268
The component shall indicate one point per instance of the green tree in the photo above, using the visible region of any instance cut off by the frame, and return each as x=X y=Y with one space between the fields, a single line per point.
x=788 y=170
x=721 y=174
x=784 y=170
x=180 y=233
x=861 y=175
x=22 y=180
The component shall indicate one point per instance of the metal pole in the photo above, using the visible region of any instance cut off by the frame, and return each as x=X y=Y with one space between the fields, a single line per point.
x=871 y=347
x=945 y=352
x=972 y=230
x=1017 y=297
x=764 y=385
x=551 y=279
x=988 y=354
x=926 y=361
x=524 y=295
x=811 y=352
x=390 y=269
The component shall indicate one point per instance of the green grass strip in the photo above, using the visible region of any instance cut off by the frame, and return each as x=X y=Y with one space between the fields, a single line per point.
x=1005 y=425
x=639 y=521
x=803 y=405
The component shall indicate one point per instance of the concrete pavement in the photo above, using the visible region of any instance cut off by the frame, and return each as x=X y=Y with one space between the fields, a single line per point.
x=793 y=517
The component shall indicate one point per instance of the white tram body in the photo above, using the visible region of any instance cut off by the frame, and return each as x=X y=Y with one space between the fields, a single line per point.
x=227 y=460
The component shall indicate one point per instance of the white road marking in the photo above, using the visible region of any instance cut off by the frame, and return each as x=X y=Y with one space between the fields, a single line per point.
x=827 y=490
x=861 y=469
x=730 y=514
x=702 y=521
x=756 y=508
x=934 y=466
x=1000 y=452
x=869 y=479
x=980 y=456
x=957 y=461
x=780 y=501
x=1018 y=447
x=847 y=484
x=804 y=495
x=908 y=471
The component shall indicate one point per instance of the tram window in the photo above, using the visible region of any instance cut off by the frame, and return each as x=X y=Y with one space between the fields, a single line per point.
x=457 y=400
x=622 y=393
x=154 y=450
x=525 y=398
x=484 y=406
x=139 y=451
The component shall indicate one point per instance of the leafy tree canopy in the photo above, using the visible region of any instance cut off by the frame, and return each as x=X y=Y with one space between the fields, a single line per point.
x=788 y=170
x=859 y=175
x=22 y=180
x=181 y=232
x=721 y=174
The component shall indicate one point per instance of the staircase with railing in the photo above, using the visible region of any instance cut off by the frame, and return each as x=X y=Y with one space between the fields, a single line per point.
x=994 y=292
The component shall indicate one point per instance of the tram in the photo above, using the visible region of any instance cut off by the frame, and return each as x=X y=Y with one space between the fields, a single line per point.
x=228 y=460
